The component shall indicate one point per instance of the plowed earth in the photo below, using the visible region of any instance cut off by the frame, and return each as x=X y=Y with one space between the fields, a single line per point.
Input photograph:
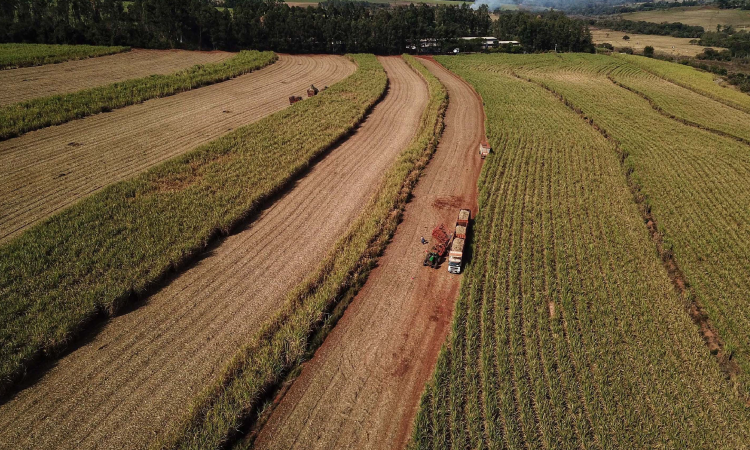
x=139 y=374
x=17 y=85
x=361 y=390
x=46 y=170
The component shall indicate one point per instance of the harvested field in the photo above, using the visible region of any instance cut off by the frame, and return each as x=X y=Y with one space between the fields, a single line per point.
x=135 y=378
x=362 y=388
x=667 y=45
x=46 y=170
x=18 y=85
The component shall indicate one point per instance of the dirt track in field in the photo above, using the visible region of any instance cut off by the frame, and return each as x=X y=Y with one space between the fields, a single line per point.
x=139 y=374
x=17 y=85
x=46 y=170
x=362 y=388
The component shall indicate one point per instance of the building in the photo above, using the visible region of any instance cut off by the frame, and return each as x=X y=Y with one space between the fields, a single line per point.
x=487 y=42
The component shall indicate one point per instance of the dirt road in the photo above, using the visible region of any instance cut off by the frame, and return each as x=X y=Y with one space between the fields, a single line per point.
x=17 y=85
x=361 y=390
x=46 y=170
x=139 y=374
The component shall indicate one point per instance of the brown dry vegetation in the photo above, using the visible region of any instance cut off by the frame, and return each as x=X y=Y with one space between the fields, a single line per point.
x=705 y=16
x=362 y=388
x=667 y=45
x=19 y=85
x=136 y=376
x=47 y=170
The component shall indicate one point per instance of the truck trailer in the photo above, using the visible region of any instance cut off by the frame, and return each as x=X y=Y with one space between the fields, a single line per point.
x=456 y=253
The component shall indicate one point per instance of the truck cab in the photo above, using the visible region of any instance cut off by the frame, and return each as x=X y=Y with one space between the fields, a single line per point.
x=455 y=256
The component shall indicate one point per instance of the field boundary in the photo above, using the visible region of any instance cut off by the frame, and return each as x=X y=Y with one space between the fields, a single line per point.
x=241 y=398
x=669 y=115
x=694 y=309
x=186 y=187
x=38 y=113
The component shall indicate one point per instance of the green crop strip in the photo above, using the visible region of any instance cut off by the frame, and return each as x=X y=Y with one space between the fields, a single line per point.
x=293 y=334
x=97 y=255
x=57 y=109
x=567 y=333
x=25 y=55
x=694 y=183
x=684 y=104
x=689 y=78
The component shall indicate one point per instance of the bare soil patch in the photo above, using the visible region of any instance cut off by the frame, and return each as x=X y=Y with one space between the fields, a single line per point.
x=362 y=388
x=46 y=170
x=138 y=375
x=18 y=85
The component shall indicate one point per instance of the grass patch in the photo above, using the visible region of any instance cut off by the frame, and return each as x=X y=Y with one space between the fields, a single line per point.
x=282 y=344
x=57 y=109
x=94 y=257
x=25 y=55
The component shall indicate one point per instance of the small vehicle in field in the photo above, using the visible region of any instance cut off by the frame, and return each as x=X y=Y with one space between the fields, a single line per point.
x=294 y=99
x=313 y=91
x=484 y=149
x=442 y=239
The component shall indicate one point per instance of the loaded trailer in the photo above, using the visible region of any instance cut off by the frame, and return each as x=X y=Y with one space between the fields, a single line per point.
x=456 y=253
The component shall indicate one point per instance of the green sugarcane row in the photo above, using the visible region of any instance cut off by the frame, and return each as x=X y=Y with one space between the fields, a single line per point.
x=25 y=55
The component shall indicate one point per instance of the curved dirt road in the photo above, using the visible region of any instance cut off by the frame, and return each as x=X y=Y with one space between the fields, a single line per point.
x=18 y=85
x=362 y=388
x=46 y=170
x=139 y=374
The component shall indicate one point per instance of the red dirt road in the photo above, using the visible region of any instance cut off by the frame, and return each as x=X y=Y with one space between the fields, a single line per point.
x=17 y=85
x=362 y=388
x=47 y=170
x=138 y=375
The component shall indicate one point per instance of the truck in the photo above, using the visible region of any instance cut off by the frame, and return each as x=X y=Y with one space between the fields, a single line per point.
x=484 y=149
x=456 y=253
x=313 y=91
x=294 y=99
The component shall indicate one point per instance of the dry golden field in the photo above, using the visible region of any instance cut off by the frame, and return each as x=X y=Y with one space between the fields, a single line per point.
x=705 y=16
x=662 y=44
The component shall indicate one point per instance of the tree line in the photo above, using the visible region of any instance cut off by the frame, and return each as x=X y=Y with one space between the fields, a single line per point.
x=609 y=7
x=332 y=27
x=738 y=43
x=675 y=29
x=733 y=4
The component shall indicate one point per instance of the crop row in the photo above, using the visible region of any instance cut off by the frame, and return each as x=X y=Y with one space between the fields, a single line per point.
x=57 y=109
x=299 y=327
x=684 y=104
x=703 y=83
x=97 y=255
x=24 y=55
x=696 y=185
x=567 y=332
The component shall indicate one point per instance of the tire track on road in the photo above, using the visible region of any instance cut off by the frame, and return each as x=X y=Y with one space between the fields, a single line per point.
x=361 y=389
